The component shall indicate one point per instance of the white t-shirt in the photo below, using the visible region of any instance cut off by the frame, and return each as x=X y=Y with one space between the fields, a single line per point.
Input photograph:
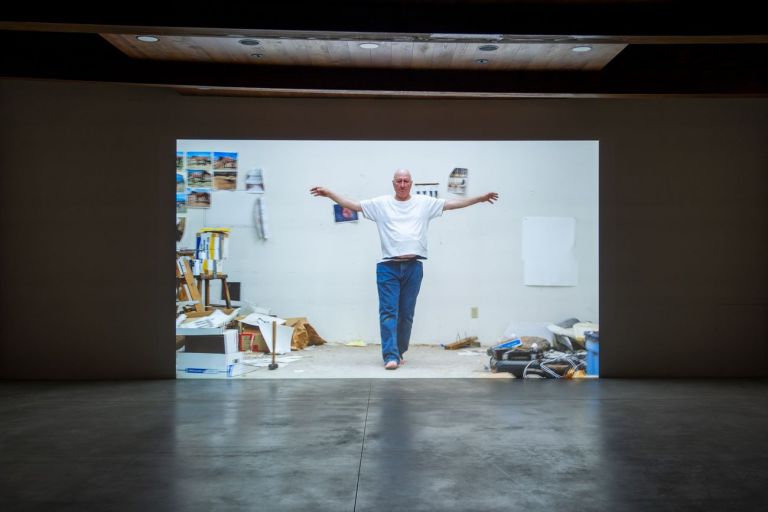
x=402 y=225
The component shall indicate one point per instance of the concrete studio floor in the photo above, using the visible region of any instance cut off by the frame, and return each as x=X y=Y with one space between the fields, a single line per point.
x=379 y=445
x=334 y=361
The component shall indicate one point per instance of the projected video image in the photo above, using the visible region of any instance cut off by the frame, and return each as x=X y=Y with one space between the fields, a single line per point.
x=383 y=259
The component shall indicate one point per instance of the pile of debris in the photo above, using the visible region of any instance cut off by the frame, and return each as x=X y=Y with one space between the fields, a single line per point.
x=570 y=354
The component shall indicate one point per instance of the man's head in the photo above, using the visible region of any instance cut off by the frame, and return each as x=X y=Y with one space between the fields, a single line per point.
x=402 y=183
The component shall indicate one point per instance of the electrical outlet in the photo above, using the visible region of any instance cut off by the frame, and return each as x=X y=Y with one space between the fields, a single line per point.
x=474 y=312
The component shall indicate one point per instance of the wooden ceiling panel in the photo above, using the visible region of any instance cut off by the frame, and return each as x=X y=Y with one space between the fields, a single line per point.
x=286 y=51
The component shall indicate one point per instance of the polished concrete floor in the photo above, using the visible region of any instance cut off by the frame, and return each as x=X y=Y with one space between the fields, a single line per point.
x=375 y=445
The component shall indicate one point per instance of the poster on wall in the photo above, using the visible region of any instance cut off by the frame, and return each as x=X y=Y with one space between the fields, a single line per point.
x=341 y=214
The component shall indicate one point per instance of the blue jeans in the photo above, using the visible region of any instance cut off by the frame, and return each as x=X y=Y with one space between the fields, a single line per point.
x=398 y=283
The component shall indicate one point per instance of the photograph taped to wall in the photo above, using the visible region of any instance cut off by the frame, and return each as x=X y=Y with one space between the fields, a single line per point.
x=457 y=180
x=224 y=161
x=254 y=181
x=224 y=180
x=199 y=178
x=342 y=214
x=181 y=185
x=199 y=198
x=200 y=160
x=179 y=161
x=181 y=203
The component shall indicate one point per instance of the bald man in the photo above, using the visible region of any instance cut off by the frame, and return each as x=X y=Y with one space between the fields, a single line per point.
x=402 y=221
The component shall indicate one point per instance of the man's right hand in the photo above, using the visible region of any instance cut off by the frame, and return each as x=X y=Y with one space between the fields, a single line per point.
x=320 y=192
x=346 y=203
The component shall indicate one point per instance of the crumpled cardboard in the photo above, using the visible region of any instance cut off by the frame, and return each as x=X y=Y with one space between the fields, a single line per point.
x=303 y=333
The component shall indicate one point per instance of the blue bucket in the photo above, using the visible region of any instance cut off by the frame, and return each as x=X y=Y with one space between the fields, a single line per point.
x=593 y=352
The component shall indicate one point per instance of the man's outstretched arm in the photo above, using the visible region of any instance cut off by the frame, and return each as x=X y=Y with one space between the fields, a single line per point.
x=346 y=203
x=454 y=204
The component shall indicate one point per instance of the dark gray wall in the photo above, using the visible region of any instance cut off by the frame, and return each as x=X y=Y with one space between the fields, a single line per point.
x=87 y=224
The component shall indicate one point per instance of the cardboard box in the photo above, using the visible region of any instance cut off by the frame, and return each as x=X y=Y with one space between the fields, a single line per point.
x=198 y=331
x=258 y=344
x=197 y=365
x=225 y=343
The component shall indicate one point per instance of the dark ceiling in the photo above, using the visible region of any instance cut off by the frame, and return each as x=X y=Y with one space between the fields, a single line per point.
x=673 y=47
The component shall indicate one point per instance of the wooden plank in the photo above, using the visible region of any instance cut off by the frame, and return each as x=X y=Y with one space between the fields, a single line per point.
x=470 y=341
x=191 y=285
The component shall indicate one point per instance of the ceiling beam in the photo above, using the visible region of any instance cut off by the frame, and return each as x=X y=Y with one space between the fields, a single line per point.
x=575 y=17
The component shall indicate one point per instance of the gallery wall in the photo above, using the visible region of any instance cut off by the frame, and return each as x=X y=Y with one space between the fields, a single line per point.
x=88 y=229
x=313 y=267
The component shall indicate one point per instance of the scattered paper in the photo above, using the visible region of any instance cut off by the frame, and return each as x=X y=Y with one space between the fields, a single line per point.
x=257 y=319
x=356 y=343
x=266 y=360
x=217 y=318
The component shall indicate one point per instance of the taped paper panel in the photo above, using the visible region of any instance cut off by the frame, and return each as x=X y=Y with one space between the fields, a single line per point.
x=548 y=235
x=548 y=251
x=550 y=272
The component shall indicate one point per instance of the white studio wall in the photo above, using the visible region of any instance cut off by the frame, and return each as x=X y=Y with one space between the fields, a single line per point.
x=314 y=267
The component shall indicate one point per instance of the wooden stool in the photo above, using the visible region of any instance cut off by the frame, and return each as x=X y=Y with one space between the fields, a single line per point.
x=204 y=281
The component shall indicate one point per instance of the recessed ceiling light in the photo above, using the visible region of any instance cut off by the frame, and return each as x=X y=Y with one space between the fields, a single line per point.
x=249 y=42
x=488 y=48
x=580 y=49
x=148 y=39
x=482 y=61
x=369 y=46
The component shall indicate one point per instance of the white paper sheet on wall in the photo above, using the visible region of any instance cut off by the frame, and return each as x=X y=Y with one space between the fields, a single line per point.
x=231 y=209
x=548 y=251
